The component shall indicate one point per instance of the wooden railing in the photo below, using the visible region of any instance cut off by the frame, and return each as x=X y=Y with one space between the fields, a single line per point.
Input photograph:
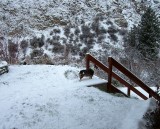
x=111 y=88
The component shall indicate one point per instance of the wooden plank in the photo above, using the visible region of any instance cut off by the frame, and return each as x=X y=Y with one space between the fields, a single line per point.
x=109 y=75
x=125 y=83
x=114 y=75
x=127 y=73
x=129 y=92
x=133 y=77
x=96 y=62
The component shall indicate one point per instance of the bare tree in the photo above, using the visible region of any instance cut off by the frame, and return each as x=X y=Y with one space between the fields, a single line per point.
x=3 y=49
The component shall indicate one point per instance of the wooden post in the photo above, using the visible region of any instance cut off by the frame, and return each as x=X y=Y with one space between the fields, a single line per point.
x=109 y=74
x=149 y=94
x=128 y=92
x=87 y=61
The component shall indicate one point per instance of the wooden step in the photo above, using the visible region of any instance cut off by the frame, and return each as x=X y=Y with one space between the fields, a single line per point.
x=103 y=87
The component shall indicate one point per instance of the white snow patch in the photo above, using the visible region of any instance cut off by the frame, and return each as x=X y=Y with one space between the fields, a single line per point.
x=44 y=96
x=3 y=63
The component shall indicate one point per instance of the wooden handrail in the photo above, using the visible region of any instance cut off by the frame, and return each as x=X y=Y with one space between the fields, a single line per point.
x=96 y=62
x=125 y=83
x=133 y=77
x=121 y=68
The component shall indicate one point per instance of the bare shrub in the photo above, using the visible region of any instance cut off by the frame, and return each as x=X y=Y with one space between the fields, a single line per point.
x=77 y=31
x=33 y=42
x=36 y=53
x=114 y=37
x=82 y=37
x=37 y=42
x=75 y=50
x=55 y=38
x=3 y=51
x=71 y=37
x=76 y=40
x=83 y=52
x=24 y=44
x=58 y=48
x=112 y=29
x=44 y=59
x=101 y=38
x=64 y=40
x=51 y=33
x=51 y=41
x=67 y=31
x=56 y=31
x=122 y=32
x=87 y=37
x=12 y=49
x=85 y=30
x=13 y=52
x=102 y=30
x=109 y=22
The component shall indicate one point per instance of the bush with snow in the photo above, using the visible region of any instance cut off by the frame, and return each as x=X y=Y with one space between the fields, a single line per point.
x=36 y=53
x=70 y=74
x=37 y=42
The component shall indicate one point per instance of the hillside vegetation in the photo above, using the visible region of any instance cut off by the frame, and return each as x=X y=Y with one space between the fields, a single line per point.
x=62 y=32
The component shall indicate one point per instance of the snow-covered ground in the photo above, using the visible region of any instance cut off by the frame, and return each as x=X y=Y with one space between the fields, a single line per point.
x=3 y=63
x=124 y=90
x=52 y=97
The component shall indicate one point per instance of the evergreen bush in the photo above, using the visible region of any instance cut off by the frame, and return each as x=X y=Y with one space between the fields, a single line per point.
x=152 y=119
x=149 y=34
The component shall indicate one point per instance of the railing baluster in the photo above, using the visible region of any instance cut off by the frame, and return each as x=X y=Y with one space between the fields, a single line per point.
x=109 y=75
x=128 y=92
x=87 y=61
x=149 y=94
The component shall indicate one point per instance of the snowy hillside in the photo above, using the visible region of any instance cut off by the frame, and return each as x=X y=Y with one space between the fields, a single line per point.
x=52 y=97
x=41 y=14
x=57 y=28
x=62 y=32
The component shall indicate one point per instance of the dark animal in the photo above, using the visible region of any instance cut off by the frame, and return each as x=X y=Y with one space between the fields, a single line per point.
x=24 y=63
x=88 y=72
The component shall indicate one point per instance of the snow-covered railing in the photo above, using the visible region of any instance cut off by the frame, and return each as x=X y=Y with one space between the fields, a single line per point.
x=111 y=88
x=3 y=67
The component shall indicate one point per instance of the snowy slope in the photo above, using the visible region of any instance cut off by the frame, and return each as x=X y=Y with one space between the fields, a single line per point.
x=25 y=15
x=105 y=22
x=52 y=97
